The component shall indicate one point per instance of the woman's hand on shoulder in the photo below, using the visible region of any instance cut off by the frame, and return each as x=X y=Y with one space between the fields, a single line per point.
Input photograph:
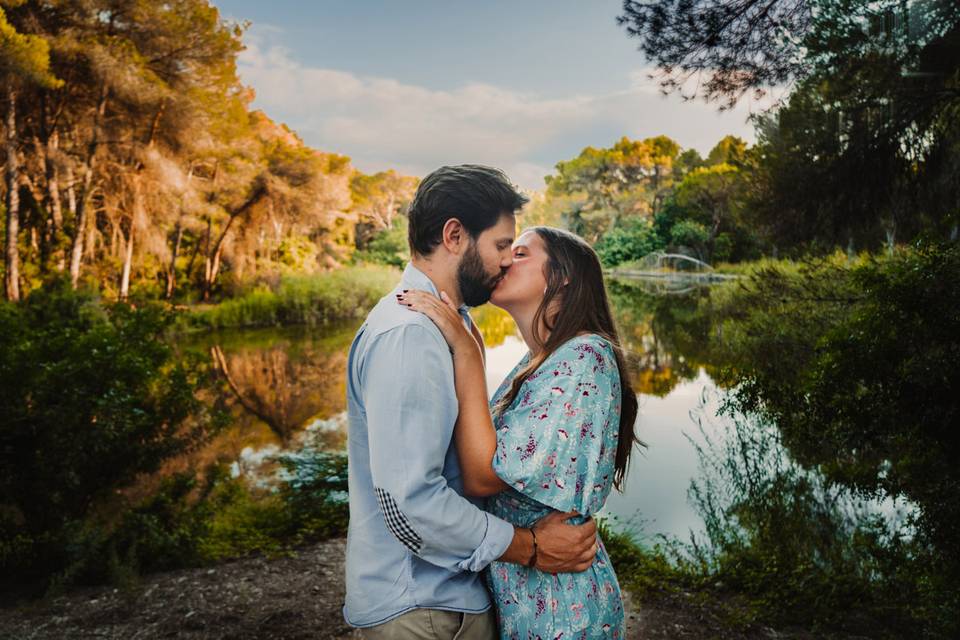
x=444 y=314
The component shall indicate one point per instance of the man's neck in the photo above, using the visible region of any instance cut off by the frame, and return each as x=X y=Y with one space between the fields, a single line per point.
x=441 y=277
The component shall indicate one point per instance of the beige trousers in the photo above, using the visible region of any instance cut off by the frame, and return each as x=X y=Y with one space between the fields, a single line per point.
x=434 y=624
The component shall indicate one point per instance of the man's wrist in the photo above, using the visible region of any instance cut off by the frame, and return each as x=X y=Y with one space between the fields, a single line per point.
x=521 y=547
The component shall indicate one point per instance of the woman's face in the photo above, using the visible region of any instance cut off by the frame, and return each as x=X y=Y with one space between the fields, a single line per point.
x=524 y=282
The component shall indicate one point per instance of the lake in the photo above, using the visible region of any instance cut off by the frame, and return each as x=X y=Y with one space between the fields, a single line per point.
x=286 y=386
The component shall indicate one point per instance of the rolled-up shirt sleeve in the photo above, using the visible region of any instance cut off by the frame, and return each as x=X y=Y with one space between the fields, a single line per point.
x=411 y=406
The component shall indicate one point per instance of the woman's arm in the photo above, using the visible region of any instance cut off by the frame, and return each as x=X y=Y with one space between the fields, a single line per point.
x=474 y=435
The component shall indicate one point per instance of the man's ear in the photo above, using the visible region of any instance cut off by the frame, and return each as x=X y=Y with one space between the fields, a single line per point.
x=454 y=236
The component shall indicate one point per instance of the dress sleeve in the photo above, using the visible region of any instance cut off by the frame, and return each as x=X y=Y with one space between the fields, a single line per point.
x=554 y=443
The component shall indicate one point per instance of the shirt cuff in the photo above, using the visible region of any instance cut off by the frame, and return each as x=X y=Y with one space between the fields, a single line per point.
x=496 y=539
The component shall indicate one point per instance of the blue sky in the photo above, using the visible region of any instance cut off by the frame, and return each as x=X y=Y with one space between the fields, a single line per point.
x=413 y=85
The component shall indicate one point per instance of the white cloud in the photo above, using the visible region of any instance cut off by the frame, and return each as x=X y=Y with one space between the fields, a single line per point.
x=383 y=123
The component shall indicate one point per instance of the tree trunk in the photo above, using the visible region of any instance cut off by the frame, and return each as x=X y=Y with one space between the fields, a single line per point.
x=30 y=218
x=178 y=238
x=76 y=251
x=214 y=268
x=11 y=175
x=114 y=237
x=54 y=204
x=172 y=270
x=136 y=216
x=193 y=258
x=71 y=194
x=127 y=260
x=212 y=262
x=208 y=238
x=90 y=243
x=391 y=204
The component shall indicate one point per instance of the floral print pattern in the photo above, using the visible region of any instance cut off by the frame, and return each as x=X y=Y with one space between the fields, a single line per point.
x=556 y=447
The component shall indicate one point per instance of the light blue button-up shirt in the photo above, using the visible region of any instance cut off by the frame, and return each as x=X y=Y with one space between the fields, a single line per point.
x=414 y=539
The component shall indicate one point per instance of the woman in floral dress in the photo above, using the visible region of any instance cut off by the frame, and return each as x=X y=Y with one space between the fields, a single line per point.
x=557 y=434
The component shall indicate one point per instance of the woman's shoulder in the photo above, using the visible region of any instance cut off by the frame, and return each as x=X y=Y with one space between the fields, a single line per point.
x=588 y=351
x=587 y=343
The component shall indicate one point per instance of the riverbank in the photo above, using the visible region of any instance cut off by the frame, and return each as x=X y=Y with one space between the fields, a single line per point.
x=297 y=597
x=310 y=300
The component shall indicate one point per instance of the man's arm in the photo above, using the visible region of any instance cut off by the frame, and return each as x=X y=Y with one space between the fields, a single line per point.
x=408 y=393
x=411 y=408
x=561 y=548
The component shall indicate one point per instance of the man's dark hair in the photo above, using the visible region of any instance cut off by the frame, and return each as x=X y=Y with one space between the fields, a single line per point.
x=474 y=194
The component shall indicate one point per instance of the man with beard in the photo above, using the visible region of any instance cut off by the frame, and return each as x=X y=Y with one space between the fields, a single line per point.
x=415 y=543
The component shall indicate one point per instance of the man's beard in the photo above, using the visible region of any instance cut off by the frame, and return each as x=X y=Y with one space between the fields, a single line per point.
x=475 y=285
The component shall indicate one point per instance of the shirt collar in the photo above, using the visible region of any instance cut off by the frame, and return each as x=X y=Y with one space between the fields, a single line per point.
x=419 y=280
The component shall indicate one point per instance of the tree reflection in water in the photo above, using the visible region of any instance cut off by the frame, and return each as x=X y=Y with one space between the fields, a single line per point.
x=278 y=384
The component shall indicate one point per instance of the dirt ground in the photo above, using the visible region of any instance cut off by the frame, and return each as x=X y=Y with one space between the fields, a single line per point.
x=286 y=598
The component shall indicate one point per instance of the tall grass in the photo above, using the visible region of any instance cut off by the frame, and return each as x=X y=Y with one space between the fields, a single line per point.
x=314 y=300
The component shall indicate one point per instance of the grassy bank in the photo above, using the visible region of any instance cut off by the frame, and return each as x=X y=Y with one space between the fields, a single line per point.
x=315 y=300
x=750 y=267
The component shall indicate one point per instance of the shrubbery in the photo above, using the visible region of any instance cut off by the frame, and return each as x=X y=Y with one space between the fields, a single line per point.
x=388 y=246
x=321 y=299
x=90 y=398
x=630 y=241
x=92 y=401
x=781 y=547
x=857 y=366
x=837 y=372
x=854 y=363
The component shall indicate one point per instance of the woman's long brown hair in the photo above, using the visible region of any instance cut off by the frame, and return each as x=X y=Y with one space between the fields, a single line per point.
x=581 y=306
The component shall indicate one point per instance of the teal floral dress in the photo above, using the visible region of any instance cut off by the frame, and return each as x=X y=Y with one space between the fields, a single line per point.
x=556 y=446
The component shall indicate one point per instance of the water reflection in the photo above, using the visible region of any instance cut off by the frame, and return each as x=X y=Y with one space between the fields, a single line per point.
x=665 y=336
x=285 y=386
x=280 y=386
x=281 y=379
x=654 y=500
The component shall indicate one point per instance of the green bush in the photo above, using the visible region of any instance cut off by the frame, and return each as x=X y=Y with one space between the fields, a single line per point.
x=854 y=363
x=630 y=241
x=690 y=233
x=90 y=399
x=643 y=571
x=196 y=521
x=315 y=492
x=388 y=247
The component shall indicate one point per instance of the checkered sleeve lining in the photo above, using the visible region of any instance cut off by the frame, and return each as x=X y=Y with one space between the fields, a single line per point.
x=397 y=522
